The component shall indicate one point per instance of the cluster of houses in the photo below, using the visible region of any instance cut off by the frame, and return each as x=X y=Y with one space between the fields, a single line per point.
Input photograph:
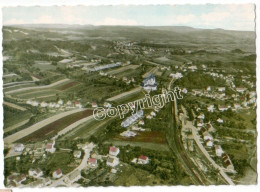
x=142 y=159
x=112 y=159
x=132 y=119
x=205 y=130
x=59 y=104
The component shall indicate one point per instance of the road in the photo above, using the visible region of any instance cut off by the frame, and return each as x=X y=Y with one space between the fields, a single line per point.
x=37 y=87
x=189 y=124
x=82 y=165
x=20 y=134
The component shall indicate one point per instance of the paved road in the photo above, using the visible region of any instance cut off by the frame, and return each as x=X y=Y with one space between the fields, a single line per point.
x=204 y=151
x=20 y=134
x=135 y=90
x=37 y=87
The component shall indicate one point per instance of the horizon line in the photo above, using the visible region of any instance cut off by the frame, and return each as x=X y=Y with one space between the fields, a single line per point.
x=128 y=26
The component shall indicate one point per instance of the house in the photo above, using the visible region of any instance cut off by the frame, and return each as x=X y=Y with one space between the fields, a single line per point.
x=69 y=103
x=34 y=103
x=36 y=173
x=221 y=89
x=78 y=104
x=113 y=171
x=222 y=108
x=143 y=159
x=237 y=106
x=209 y=143
x=44 y=104
x=77 y=154
x=15 y=179
x=141 y=122
x=196 y=92
x=176 y=75
x=50 y=146
x=94 y=104
x=114 y=151
x=92 y=162
x=201 y=116
x=60 y=102
x=218 y=150
x=149 y=117
x=241 y=89
x=184 y=90
x=220 y=120
x=153 y=114
x=57 y=174
x=150 y=83
x=112 y=161
x=208 y=88
x=128 y=134
x=227 y=162
x=108 y=105
x=211 y=108
x=74 y=176
x=19 y=147
x=207 y=136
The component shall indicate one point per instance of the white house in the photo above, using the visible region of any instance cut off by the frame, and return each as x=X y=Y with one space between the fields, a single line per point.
x=220 y=120
x=218 y=150
x=19 y=147
x=77 y=154
x=223 y=107
x=201 y=116
x=237 y=106
x=133 y=118
x=36 y=173
x=241 y=89
x=128 y=134
x=207 y=136
x=209 y=143
x=57 y=174
x=141 y=122
x=176 y=75
x=143 y=159
x=112 y=161
x=114 y=151
x=108 y=105
x=211 y=108
x=78 y=104
x=221 y=89
x=60 y=102
x=94 y=104
x=44 y=104
x=153 y=113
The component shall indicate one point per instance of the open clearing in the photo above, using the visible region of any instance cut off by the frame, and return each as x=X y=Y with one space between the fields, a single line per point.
x=12 y=105
x=122 y=69
x=135 y=90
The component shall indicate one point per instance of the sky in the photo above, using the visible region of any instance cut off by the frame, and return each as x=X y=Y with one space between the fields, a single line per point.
x=209 y=16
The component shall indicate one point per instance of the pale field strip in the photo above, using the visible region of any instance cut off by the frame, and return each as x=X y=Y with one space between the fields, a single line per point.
x=38 y=87
x=112 y=72
x=18 y=83
x=153 y=70
x=14 y=106
x=34 y=92
x=16 y=125
x=135 y=90
x=22 y=84
x=20 y=134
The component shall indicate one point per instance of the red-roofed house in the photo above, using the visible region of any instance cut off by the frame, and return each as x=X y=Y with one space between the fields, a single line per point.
x=92 y=162
x=57 y=174
x=114 y=151
x=50 y=147
x=143 y=159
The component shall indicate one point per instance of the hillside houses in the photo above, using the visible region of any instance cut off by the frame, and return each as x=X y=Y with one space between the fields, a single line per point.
x=35 y=172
